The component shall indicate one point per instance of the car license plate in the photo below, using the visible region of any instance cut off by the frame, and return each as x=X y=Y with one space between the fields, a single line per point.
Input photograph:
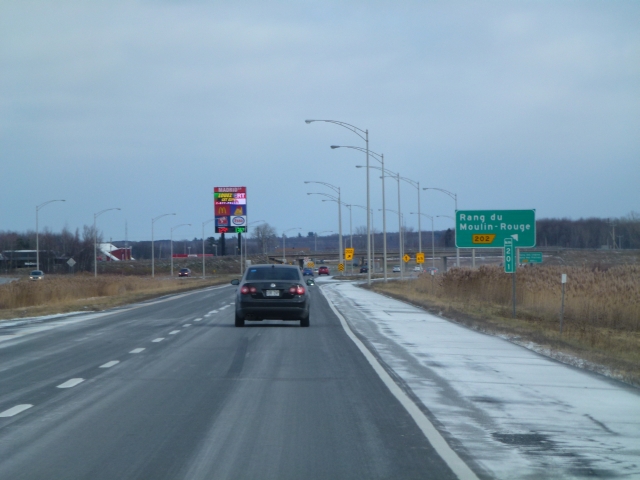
x=273 y=293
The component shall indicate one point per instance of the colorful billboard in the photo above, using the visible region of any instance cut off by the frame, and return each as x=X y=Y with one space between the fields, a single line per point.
x=230 y=209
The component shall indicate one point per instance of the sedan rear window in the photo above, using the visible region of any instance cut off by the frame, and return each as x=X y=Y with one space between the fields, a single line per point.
x=271 y=273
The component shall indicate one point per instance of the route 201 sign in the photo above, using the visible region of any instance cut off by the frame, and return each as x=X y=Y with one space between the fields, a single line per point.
x=490 y=228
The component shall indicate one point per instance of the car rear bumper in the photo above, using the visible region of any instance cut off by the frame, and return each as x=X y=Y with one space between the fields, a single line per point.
x=282 y=310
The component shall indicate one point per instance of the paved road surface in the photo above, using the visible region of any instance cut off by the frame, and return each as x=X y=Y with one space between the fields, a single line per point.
x=171 y=389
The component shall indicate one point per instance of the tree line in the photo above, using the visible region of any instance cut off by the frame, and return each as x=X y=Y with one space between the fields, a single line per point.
x=592 y=233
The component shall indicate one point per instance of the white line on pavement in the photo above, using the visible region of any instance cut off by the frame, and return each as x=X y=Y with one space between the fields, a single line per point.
x=198 y=320
x=136 y=350
x=186 y=325
x=16 y=410
x=156 y=340
x=110 y=364
x=71 y=383
x=442 y=448
x=173 y=332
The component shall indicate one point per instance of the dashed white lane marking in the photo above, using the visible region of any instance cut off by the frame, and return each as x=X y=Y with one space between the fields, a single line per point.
x=232 y=303
x=156 y=340
x=173 y=332
x=226 y=306
x=110 y=364
x=198 y=320
x=15 y=410
x=186 y=325
x=136 y=350
x=71 y=383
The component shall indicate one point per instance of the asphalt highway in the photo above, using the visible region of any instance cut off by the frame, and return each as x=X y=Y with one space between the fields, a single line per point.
x=170 y=389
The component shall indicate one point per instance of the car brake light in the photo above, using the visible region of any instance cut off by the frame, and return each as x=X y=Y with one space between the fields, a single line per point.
x=244 y=290
x=300 y=290
x=253 y=289
x=292 y=290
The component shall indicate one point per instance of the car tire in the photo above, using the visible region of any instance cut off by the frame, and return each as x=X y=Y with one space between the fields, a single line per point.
x=239 y=321
x=304 y=321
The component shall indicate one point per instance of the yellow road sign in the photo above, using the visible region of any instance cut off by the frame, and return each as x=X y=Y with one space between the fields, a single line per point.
x=310 y=264
x=348 y=256
x=341 y=267
x=406 y=258
x=419 y=257
x=483 y=238
x=350 y=250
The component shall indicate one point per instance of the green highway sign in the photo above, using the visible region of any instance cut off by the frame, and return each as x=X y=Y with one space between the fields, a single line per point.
x=530 y=257
x=509 y=256
x=490 y=228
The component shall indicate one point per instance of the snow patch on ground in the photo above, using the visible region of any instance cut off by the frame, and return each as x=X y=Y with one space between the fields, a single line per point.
x=509 y=411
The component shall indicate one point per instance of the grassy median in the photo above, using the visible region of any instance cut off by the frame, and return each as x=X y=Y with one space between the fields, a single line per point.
x=601 y=316
x=83 y=292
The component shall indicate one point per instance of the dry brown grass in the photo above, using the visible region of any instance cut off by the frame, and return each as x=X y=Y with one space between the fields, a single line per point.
x=60 y=294
x=602 y=308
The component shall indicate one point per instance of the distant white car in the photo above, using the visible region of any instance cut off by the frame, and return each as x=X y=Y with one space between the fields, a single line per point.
x=396 y=269
x=417 y=268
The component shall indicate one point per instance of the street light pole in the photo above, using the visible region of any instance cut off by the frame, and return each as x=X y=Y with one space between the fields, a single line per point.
x=363 y=134
x=417 y=186
x=242 y=264
x=400 y=241
x=336 y=189
x=203 y=224
x=455 y=199
x=172 y=229
x=153 y=256
x=38 y=207
x=95 y=240
x=380 y=158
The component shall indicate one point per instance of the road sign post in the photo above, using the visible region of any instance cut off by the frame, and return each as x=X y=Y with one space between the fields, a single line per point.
x=510 y=267
x=489 y=228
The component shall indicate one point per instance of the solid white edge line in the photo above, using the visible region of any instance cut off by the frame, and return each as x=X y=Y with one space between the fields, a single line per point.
x=437 y=441
x=156 y=340
x=15 y=410
x=136 y=350
x=71 y=383
x=110 y=364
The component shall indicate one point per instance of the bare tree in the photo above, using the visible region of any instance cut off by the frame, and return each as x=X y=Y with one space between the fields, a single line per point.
x=265 y=236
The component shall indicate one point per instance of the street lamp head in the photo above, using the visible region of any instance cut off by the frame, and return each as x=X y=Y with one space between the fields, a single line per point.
x=309 y=121
x=335 y=146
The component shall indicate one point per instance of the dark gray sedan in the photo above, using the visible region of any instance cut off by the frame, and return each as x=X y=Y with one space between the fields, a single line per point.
x=268 y=292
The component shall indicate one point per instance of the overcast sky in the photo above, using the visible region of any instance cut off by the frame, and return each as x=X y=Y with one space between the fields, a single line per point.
x=148 y=105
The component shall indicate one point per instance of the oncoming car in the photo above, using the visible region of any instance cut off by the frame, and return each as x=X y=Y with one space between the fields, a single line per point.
x=272 y=292
x=36 y=275
x=184 y=272
x=396 y=269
